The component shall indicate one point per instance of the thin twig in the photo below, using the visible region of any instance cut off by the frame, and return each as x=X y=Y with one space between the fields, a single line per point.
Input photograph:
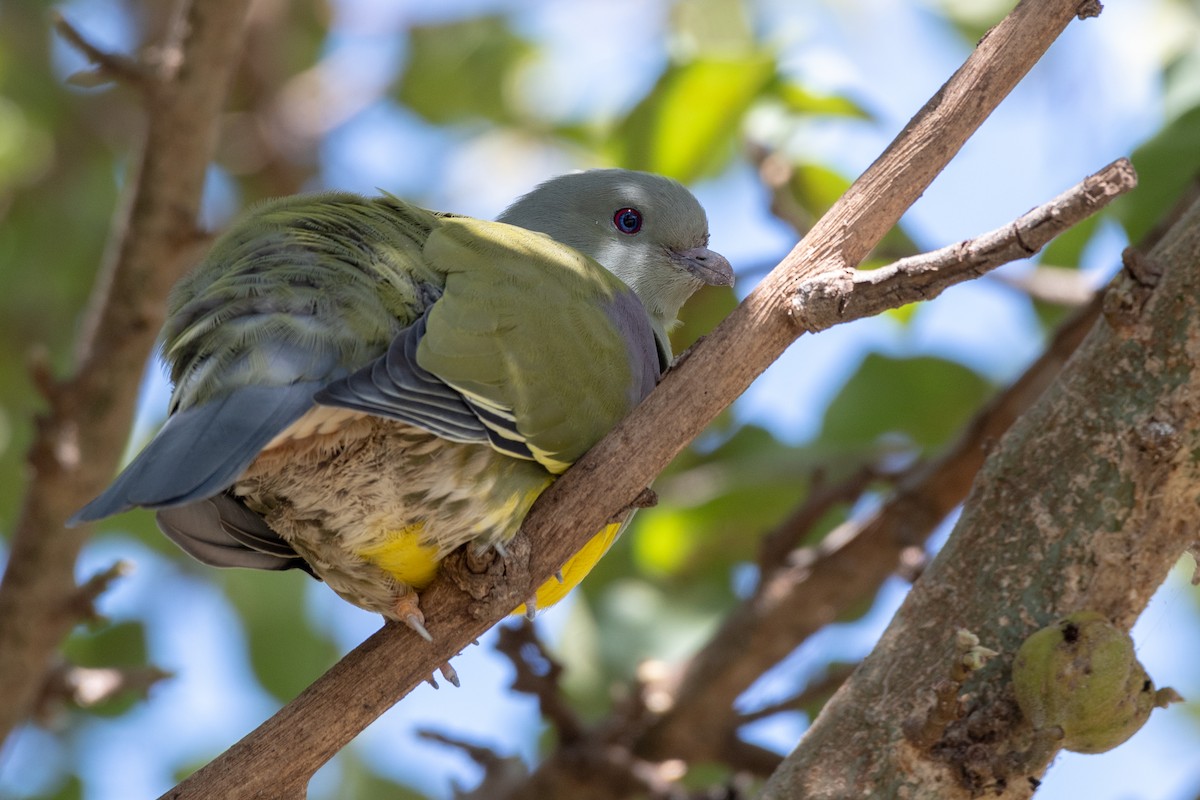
x=82 y=605
x=813 y=694
x=485 y=757
x=109 y=66
x=86 y=687
x=775 y=546
x=827 y=297
x=538 y=674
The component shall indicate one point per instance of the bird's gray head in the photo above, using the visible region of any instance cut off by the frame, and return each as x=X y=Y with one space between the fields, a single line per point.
x=647 y=230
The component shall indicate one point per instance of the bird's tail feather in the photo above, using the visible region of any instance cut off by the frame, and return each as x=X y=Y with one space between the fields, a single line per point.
x=221 y=532
x=201 y=450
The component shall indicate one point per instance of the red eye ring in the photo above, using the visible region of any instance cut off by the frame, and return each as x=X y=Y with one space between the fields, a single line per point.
x=627 y=220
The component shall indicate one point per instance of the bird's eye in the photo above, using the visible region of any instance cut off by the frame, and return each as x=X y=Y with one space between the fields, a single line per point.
x=628 y=220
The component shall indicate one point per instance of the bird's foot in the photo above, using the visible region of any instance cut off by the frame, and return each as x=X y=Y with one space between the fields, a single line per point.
x=488 y=575
x=647 y=498
x=407 y=609
x=448 y=673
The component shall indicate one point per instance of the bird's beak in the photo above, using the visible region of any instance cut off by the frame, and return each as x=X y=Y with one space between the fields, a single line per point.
x=708 y=266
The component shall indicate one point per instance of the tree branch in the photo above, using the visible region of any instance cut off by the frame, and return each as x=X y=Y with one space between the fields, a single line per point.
x=823 y=301
x=827 y=581
x=1095 y=488
x=538 y=674
x=80 y=438
x=107 y=66
x=822 y=583
x=331 y=711
x=694 y=717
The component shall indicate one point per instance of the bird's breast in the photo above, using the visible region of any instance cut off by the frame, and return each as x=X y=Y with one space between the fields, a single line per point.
x=374 y=505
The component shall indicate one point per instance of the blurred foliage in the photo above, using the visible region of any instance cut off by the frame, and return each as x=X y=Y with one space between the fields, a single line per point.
x=461 y=70
x=71 y=789
x=973 y=18
x=120 y=644
x=64 y=152
x=1168 y=162
x=926 y=400
x=712 y=95
x=285 y=652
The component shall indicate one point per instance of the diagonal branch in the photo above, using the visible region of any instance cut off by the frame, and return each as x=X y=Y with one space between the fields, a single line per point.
x=694 y=715
x=107 y=66
x=80 y=437
x=1086 y=503
x=822 y=301
x=539 y=674
x=330 y=712
x=721 y=367
x=827 y=580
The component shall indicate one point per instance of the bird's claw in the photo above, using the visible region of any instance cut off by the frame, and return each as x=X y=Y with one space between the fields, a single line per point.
x=450 y=675
x=408 y=610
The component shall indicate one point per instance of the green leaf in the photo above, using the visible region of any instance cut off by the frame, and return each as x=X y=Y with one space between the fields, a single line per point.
x=703 y=311
x=687 y=126
x=285 y=652
x=26 y=150
x=800 y=100
x=904 y=314
x=70 y=789
x=714 y=506
x=816 y=187
x=925 y=399
x=1067 y=248
x=460 y=71
x=1165 y=165
x=119 y=645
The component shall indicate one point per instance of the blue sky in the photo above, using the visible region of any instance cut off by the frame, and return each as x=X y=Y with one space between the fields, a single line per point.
x=1092 y=99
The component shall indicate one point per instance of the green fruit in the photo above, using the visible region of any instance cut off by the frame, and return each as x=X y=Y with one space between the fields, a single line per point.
x=1080 y=677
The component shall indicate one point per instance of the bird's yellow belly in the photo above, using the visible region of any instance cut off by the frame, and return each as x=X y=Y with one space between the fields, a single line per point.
x=375 y=510
x=405 y=556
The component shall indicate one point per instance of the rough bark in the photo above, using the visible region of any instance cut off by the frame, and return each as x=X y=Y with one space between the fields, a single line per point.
x=825 y=582
x=1086 y=503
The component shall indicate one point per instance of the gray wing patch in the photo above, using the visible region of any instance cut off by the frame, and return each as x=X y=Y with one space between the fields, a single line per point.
x=648 y=355
x=396 y=386
x=221 y=532
x=201 y=450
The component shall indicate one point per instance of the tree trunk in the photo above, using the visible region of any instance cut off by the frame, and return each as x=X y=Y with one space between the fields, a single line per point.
x=1086 y=503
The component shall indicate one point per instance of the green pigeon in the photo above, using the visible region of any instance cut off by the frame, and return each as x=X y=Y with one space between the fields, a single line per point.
x=362 y=386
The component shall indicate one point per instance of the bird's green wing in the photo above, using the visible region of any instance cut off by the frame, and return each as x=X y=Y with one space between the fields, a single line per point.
x=547 y=343
x=300 y=292
x=532 y=347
